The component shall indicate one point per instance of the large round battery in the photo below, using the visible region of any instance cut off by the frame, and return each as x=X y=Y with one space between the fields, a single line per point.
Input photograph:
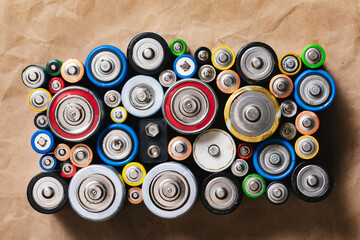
x=142 y=96
x=148 y=53
x=106 y=66
x=256 y=63
x=117 y=144
x=169 y=190
x=274 y=159
x=75 y=114
x=314 y=90
x=214 y=150
x=97 y=192
x=190 y=106
x=252 y=114
x=220 y=193
x=312 y=181
x=47 y=192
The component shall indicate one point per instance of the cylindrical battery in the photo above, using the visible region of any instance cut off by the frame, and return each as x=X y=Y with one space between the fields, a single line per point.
x=72 y=70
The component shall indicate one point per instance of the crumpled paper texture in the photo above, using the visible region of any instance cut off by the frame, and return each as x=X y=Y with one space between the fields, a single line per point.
x=33 y=32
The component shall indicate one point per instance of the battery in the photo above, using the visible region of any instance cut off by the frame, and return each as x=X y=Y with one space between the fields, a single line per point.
x=56 y=84
x=277 y=193
x=228 y=81
x=185 y=66
x=223 y=58
x=117 y=144
x=287 y=131
x=148 y=53
x=42 y=141
x=33 y=76
x=134 y=195
x=306 y=147
x=314 y=90
x=252 y=114
x=75 y=114
x=72 y=70
x=239 y=168
x=112 y=98
x=207 y=73
x=274 y=159
x=313 y=56
x=47 y=162
x=256 y=63
x=142 y=96
x=106 y=66
x=47 y=193
x=190 y=106
x=133 y=174
x=281 y=86
x=307 y=122
x=178 y=47
x=167 y=78
x=81 y=155
x=97 y=192
x=254 y=185
x=312 y=181
x=179 y=148
x=67 y=169
x=203 y=55
x=220 y=194
x=62 y=152
x=245 y=150
x=214 y=150
x=290 y=64
x=169 y=190
x=41 y=121
x=288 y=108
x=53 y=67
x=118 y=114
x=38 y=99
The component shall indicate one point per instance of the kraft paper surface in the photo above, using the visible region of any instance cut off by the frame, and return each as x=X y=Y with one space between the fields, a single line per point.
x=33 y=32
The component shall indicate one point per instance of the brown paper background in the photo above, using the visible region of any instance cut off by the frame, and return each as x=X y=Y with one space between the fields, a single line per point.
x=32 y=32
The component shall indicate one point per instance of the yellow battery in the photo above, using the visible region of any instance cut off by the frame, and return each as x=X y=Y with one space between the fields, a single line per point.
x=39 y=99
x=223 y=58
x=133 y=174
x=118 y=114
x=306 y=147
x=290 y=63
x=253 y=106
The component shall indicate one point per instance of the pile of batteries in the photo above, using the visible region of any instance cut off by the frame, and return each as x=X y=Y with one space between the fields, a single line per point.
x=229 y=124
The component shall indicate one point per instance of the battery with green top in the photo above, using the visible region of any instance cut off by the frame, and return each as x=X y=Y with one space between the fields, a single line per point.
x=313 y=56
x=53 y=67
x=254 y=185
x=178 y=47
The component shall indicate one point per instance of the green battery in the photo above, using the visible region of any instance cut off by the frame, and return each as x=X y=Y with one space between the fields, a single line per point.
x=254 y=185
x=53 y=67
x=313 y=56
x=178 y=47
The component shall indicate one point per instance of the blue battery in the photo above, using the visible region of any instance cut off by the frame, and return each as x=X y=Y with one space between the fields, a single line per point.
x=114 y=162
x=48 y=162
x=42 y=141
x=185 y=66
x=305 y=97
x=102 y=66
x=256 y=159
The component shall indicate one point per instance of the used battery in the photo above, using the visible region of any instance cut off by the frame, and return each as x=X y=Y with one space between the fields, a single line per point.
x=72 y=70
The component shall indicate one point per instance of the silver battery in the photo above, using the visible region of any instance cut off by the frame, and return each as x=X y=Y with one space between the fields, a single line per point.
x=239 y=167
x=313 y=55
x=134 y=174
x=117 y=145
x=287 y=131
x=105 y=66
x=307 y=147
x=42 y=121
x=148 y=54
x=167 y=78
x=223 y=58
x=288 y=108
x=312 y=181
x=48 y=162
x=207 y=73
x=277 y=193
x=314 y=90
x=33 y=76
x=221 y=193
x=254 y=186
x=112 y=98
x=290 y=63
x=169 y=190
x=97 y=192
